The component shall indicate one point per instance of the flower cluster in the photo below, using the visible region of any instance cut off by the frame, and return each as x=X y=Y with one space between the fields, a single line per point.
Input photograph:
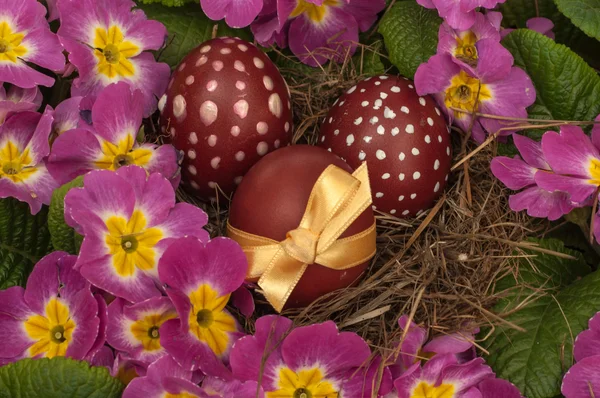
x=97 y=128
x=450 y=368
x=556 y=175
x=459 y=14
x=315 y=30
x=583 y=379
x=472 y=73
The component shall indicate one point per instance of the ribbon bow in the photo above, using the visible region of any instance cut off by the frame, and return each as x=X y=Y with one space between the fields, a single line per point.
x=336 y=200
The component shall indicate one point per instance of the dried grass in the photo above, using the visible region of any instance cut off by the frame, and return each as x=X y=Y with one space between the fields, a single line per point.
x=440 y=267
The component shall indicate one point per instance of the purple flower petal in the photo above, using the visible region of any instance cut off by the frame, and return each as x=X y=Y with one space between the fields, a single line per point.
x=66 y=115
x=74 y=153
x=514 y=173
x=324 y=346
x=131 y=324
x=498 y=388
x=411 y=346
x=454 y=343
x=541 y=203
x=237 y=13
x=466 y=375
x=13 y=311
x=510 y=97
x=334 y=37
x=579 y=189
x=117 y=113
x=541 y=25
x=494 y=63
x=247 y=354
x=531 y=151
x=583 y=379
x=243 y=300
x=188 y=262
x=103 y=318
x=359 y=383
x=587 y=343
x=570 y=152
x=19 y=100
x=164 y=160
x=434 y=76
x=232 y=388
x=190 y=353
x=453 y=13
x=151 y=385
x=365 y=12
x=104 y=357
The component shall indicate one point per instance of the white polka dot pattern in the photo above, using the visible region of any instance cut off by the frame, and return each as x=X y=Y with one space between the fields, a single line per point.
x=399 y=133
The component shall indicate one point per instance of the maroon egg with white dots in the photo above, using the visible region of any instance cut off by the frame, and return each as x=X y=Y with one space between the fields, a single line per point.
x=226 y=107
x=403 y=138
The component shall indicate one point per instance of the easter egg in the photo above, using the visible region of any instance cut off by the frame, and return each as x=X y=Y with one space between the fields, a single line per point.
x=271 y=201
x=226 y=107
x=403 y=138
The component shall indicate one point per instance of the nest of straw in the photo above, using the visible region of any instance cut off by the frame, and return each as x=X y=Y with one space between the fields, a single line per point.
x=439 y=268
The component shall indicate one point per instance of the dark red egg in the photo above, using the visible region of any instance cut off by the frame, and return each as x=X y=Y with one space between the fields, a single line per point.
x=226 y=106
x=271 y=201
x=403 y=138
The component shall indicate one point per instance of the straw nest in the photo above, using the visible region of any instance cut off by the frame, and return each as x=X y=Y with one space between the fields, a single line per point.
x=441 y=267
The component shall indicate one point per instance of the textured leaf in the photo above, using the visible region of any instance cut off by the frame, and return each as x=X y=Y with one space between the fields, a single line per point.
x=64 y=238
x=517 y=12
x=585 y=14
x=188 y=27
x=58 y=377
x=567 y=88
x=24 y=239
x=561 y=299
x=410 y=33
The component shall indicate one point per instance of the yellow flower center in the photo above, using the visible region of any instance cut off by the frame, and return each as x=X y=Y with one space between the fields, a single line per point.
x=465 y=48
x=426 y=390
x=52 y=332
x=14 y=165
x=131 y=244
x=145 y=330
x=466 y=93
x=10 y=44
x=113 y=53
x=122 y=154
x=307 y=383
x=208 y=322
x=594 y=169
x=312 y=11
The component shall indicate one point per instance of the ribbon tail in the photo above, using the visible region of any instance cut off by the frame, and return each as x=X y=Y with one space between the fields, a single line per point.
x=278 y=284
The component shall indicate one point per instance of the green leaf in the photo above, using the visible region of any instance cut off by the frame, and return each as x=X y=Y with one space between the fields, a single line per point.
x=63 y=237
x=410 y=33
x=24 y=239
x=188 y=27
x=567 y=88
x=561 y=295
x=517 y=12
x=58 y=377
x=585 y=14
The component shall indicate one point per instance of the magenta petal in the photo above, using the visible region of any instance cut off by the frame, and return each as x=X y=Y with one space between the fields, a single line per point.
x=117 y=113
x=587 y=343
x=22 y=75
x=103 y=318
x=531 y=151
x=570 y=152
x=413 y=341
x=514 y=173
x=579 y=189
x=361 y=383
x=451 y=11
x=495 y=61
x=454 y=343
x=190 y=353
x=498 y=388
x=541 y=203
x=583 y=379
x=247 y=353
x=185 y=220
x=468 y=374
x=435 y=75
x=104 y=357
x=73 y=154
x=243 y=300
x=179 y=387
x=87 y=325
x=237 y=13
x=165 y=161
x=324 y=345
x=333 y=38
x=541 y=25
x=13 y=311
x=365 y=12
x=189 y=262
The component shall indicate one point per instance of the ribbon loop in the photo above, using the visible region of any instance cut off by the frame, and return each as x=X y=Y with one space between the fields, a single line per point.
x=335 y=202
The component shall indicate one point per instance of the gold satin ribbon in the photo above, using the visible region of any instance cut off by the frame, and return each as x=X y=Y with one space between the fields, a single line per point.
x=336 y=200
